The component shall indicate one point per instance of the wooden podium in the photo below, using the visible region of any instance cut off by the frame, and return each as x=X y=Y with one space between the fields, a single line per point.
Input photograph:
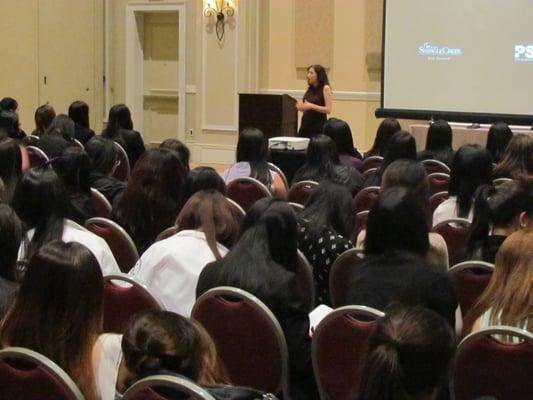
x=274 y=114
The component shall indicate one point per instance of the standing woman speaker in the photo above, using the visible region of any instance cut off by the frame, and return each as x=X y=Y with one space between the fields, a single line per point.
x=316 y=103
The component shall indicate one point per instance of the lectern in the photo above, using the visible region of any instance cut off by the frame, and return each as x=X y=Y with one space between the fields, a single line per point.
x=274 y=114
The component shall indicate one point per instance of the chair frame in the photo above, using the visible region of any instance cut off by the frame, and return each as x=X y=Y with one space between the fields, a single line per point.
x=353 y=309
x=130 y=280
x=46 y=364
x=124 y=154
x=277 y=170
x=308 y=271
x=368 y=172
x=169 y=381
x=489 y=267
x=438 y=175
x=499 y=181
x=262 y=187
x=348 y=253
x=249 y=298
x=296 y=185
x=297 y=207
x=366 y=190
x=438 y=163
x=367 y=160
x=237 y=205
x=460 y=221
x=38 y=151
x=102 y=198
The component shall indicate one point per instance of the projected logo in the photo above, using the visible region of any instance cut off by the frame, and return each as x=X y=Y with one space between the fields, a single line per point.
x=440 y=53
x=523 y=52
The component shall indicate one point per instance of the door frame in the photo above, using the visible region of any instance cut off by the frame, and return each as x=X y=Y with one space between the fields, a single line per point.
x=134 y=60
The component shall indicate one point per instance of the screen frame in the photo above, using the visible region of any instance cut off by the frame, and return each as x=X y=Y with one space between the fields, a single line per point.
x=481 y=118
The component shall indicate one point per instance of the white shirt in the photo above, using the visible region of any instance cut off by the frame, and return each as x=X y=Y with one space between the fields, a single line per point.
x=107 y=354
x=72 y=232
x=449 y=209
x=170 y=269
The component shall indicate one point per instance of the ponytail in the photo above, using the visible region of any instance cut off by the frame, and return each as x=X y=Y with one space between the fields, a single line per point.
x=482 y=219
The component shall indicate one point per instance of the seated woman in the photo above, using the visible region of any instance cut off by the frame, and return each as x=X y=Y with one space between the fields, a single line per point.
x=517 y=161
x=202 y=178
x=323 y=164
x=10 y=238
x=341 y=134
x=103 y=156
x=79 y=113
x=402 y=146
x=324 y=232
x=471 y=168
x=407 y=340
x=44 y=115
x=387 y=128
x=10 y=166
x=497 y=140
x=498 y=212
x=120 y=129
x=48 y=315
x=152 y=198
x=252 y=161
x=42 y=203
x=263 y=262
x=207 y=226
x=58 y=136
x=438 y=143
x=507 y=300
x=396 y=266
x=184 y=154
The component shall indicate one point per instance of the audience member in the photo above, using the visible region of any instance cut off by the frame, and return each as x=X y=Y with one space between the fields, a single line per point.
x=471 y=167
x=207 y=226
x=48 y=315
x=9 y=104
x=324 y=232
x=152 y=198
x=104 y=160
x=497 y=140
x=120 y=129
x=10 y=166
x=263 y=262
x=44 y=115
x=507 y=300
x=387 y=128
x=409 y=356
x=438 y=143
x=10 y=238
x=79 y=113
x=9 y=125
x=323 y=164
x=58 y=136
x=184 y=154
x=202 y=178
x=341 y=134
x=252 y=161
x=517 y=160
x=41 y=202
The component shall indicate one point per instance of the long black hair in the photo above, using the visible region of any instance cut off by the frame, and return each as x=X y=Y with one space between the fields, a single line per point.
x=497 y=140
x=439 y=137
x=79 y=113
x=387 y=128
x=202 y=178
x=339 y=131
x=119 y=118
x=10 y=166
x=252 y=147
x=321 y=75
x=402 y=146
x=471 y=168
x=73 y=167
x=10 y=238
x=102 y=153
x=322 y=157
x=63 y=126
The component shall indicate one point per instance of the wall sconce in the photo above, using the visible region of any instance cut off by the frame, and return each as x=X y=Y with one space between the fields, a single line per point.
x=221 y=9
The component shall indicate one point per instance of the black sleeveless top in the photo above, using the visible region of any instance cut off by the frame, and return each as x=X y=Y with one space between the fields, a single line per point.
x=313 y=121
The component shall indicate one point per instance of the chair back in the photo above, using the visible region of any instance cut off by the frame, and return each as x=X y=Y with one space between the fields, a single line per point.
x=26 y=374
x=78 y=144
x=125 y=296
x=246 y=191
x=146 y=389
x=486 y=366
x=340 y=276
x=339 y=349
x=455 y=232
x=367 y=173
x=372 y=162
x=436 y=199
x=100 y=203
x=433 y=166
x=247 y=336
x=306 y=281
x=438 y=182
x=120 y=243
x=366 y=198
x=30 y=140
x=122 y=172
x=165 y=234
x=36 y=156
x=301 y=191
x=499 y=181
x=297 y=207
x=239 y=211
x=277 y=170
x=470 y=279
x=361 y=219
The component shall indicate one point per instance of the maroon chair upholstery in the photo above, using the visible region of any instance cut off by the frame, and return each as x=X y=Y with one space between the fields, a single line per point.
x=365 y=199
x=277 y=170
x=433 y=166
x=146 y=389
x=470 y=279
x=306 y=281
x=438 y=182
x=37 y=157
x=124 y=296
x=455 y=232
x=340 y=276
x=117 y=238
x=485 y=365
x=372 y=162
x=339 y=349
x=100 y=203
x=301 y=191
x=436 y=199
x=248 y=338
x=361 y=219
x=246 y=191
x=122 y=172
x=28 y=375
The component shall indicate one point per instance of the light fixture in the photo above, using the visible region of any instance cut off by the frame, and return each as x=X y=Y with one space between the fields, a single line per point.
x=221 y=9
